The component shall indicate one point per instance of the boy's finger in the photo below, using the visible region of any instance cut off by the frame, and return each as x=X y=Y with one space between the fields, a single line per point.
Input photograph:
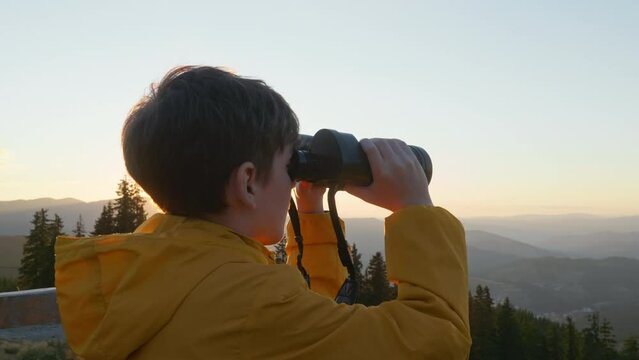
x=385 y=150
x=398 y=148
x=403 y=152
x=372 y=152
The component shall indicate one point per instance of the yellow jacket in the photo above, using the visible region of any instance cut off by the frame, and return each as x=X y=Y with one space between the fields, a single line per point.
x=183 y=288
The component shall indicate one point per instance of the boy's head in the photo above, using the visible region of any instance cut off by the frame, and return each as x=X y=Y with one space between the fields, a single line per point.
x=183 y=141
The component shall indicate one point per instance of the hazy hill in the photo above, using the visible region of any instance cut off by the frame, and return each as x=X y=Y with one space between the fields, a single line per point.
x=598 y=245
x=560 y=286
x=487 y=250
x=502 y=245
x=10 y=255
x=539 y=229
x=25 y=205
x=536 y=236
x=16 y=216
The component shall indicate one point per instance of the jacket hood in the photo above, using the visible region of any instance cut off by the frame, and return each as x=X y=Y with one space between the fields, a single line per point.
x=132 y=284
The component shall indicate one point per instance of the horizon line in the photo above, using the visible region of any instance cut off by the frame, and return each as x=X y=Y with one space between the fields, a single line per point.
x=468 y=217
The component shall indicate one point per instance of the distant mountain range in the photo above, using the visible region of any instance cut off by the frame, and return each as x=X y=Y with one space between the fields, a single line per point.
x=543 y=229
x=574 y=236
x=597 y=245
x=16 y=216
x=487 y=251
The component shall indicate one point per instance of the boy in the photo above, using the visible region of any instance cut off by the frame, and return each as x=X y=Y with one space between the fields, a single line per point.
x=212 y=149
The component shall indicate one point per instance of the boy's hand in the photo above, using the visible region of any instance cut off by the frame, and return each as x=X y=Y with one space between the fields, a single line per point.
x=398 y=178
x=309 y=198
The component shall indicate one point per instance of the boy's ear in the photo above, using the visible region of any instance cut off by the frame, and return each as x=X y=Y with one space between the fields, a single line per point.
x=241 y=187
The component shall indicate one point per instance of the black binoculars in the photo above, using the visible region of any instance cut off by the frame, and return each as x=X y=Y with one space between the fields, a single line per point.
x=332 y=158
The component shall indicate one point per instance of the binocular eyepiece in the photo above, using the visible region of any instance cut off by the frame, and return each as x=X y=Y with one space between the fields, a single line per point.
x=333 y=158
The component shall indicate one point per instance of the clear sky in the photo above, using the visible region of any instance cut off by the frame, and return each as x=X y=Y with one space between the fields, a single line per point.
x=525 y=107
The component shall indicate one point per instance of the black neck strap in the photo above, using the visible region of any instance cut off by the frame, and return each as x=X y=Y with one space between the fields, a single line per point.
x=348 y=292
x=295 y=221
x=342 y=245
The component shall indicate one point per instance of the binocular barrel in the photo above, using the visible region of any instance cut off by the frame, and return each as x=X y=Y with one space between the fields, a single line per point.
x=330 y=157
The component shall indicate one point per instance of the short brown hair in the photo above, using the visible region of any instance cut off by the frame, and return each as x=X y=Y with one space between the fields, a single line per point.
x=182 y=141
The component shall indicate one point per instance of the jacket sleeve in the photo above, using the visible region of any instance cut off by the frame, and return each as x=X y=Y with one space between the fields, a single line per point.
x=426 y=256
x=320 y=259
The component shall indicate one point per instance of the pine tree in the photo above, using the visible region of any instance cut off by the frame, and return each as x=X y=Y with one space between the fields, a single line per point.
x=29 y=271
x=534 y=333
x=362 y=295
x=630 y=349
x=38 y=259
x=357 y=264
x=592 y=338
x=280 y=252
x=105 y=224
x=520 y=334
x=125 y=214
x=554 y=346
x=508 y=333
x=599 y=340
x=48 y=273
x=572 y=340
x=79 y=228
x=376 y=287
x=482 y=325
x=608 y=341
x=129 y=207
